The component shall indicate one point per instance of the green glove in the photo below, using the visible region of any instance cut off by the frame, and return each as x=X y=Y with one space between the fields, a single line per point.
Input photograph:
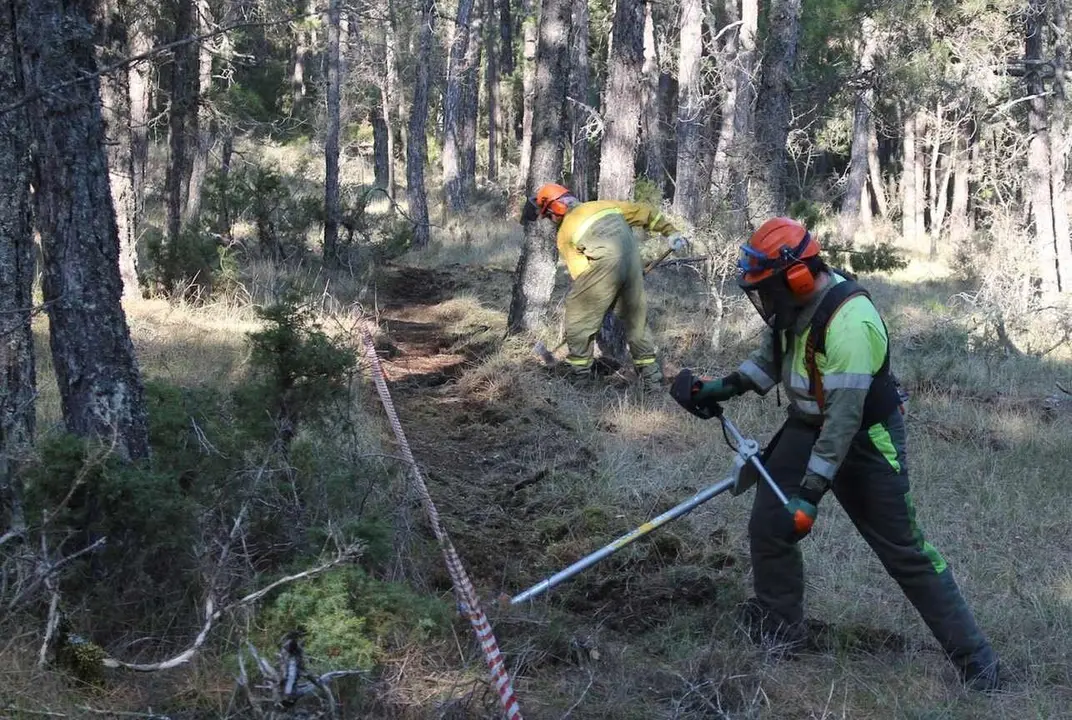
x=720 y=390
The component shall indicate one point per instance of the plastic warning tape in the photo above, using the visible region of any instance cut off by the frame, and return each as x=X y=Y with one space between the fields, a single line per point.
x=464 y=594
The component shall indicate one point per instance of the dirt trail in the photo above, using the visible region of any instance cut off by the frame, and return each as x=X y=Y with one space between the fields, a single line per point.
x=476 y=447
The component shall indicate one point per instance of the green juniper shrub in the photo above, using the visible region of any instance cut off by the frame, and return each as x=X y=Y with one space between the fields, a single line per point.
x=296 y=369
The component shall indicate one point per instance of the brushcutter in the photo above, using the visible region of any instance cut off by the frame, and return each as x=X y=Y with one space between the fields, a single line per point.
x=747 y=451
x=548 y=356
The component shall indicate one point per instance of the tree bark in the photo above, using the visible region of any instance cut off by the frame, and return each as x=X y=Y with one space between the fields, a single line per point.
x=909 y=200
x=392 y=100
x=139 y=86
x=535 y=277
x=856 y=188
x=455 y=107
x=690 y=111
x=941 y=170
x=115 y=100
x=528 y=81
x=100 y=387
x=1059 y=148
x=578 y=107
x=18 y=383
x=651 y=130
x=875 y=169
x=204 y=132
x=919 y=175
x=730 y=165
x=303 y=39
x=491 y=80
x=331 y=139
x=507 y=139
x=381 y=138
x=416 y=147
x=769 y=177
x=621 y=126
x=182 y=116
x=958 y=210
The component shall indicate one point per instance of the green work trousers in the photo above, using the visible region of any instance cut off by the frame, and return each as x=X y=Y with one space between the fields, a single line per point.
x=614 y=279
x=872 y=487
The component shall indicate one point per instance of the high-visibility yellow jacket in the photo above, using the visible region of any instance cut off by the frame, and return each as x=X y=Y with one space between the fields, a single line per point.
x=594 y=226
x=856 y=344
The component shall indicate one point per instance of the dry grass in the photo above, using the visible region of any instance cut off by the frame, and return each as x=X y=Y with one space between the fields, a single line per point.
x=531 y=474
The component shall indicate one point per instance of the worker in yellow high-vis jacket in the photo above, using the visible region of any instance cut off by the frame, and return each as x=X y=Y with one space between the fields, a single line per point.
x=596 y=241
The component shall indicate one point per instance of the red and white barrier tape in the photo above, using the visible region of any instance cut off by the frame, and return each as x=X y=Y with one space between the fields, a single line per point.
x=464 y=594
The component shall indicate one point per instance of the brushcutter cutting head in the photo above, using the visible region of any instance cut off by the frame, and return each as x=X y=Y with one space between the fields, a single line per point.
x=541 y=350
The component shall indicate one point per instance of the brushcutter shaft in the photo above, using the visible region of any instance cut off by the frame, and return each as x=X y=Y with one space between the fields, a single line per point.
x=607 y=550
x=740 y=441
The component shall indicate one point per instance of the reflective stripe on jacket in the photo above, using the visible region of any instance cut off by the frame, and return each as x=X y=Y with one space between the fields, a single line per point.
x=602 y=223
x=856 y=344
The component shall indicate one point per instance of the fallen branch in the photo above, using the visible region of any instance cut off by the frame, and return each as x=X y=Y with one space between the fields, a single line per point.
x=1063 y=389
x=212 y=615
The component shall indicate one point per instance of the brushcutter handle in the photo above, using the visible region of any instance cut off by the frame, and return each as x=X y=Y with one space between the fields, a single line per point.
x=657 y=261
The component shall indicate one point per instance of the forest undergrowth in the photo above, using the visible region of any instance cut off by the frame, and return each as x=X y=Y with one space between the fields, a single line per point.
x=530 y=474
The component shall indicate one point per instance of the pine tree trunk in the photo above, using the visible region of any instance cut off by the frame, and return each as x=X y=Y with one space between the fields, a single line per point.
x=577 y=108
x=381 y=138
x=621 y=126
x=959 y=224
x=941 y=170
x=470 y=117
x=139 y=86
x=919 y=176
x=1059 y=130
x=528 y=81
x=535 y=277
x=100 y=387
x=331 y=139
x=416 y=147
x=651 y=130
x=690 y=114
x=302 y=41
x=18 y=383
x=182 y=114
x=204 y=131
x=875 y=169
x=730 y=166
x=769 y=178
x=393 y=100
x=908 y=180
x=454 y=110
x=491 y=80
x=115 y=97
x=507 y=139
x=856 y=188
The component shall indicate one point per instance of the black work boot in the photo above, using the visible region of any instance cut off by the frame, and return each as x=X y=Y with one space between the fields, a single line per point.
x=983 y=678
x=763 y=628
x=651 y=376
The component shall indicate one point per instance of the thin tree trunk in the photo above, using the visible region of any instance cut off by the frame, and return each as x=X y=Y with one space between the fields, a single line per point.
x=392 y=100
x=1059 y=149
x=115 y=100
x=507 y=140
x=491 y=80
x=454 y=109
x=919 y=175
x=651 y=131
x=18 y=383
x=730 y=166
x=204 y=133
x=302 y=41
x=331 y=140
x=577 y=110
x=528 y=80
x=1038 y=158
x=470 y=116
x=381 y=139
x=182 y=115
x=908 y=180
x=535 y=276
x=958 y=210
x=621 y=126
x=416 y=147
x=99 y=384
x=856 y=188
x=139 y=86
x=773 y=110
x=875 y=170
x=935 y=132
x=942 y=171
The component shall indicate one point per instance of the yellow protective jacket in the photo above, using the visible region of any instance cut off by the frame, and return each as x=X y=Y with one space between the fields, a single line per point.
x=600 y=223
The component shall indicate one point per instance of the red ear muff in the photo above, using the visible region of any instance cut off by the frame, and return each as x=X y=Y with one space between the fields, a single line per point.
x=800 y=279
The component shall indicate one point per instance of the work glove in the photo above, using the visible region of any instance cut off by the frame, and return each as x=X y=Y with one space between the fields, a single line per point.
x=677 y=241
x=803 y=509
x=700 y=396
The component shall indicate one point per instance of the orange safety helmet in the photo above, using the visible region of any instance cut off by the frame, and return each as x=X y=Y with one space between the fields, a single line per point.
x=551 y=200
x=779 y=247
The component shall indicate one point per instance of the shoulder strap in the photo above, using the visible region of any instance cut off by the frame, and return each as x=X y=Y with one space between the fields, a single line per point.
x=835 y=297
